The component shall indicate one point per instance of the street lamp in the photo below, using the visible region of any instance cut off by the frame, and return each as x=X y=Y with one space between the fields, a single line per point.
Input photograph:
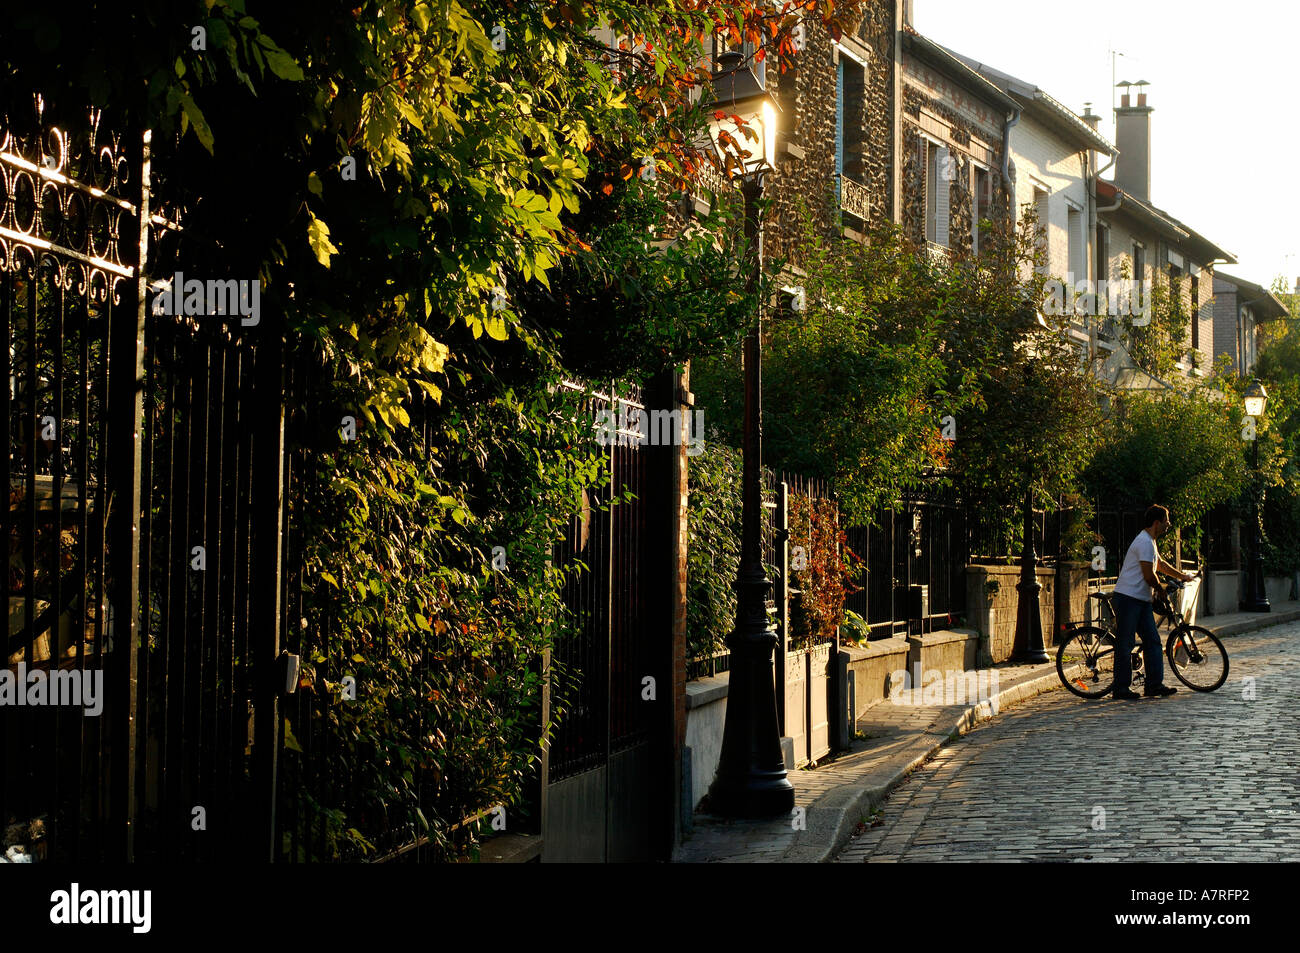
x=1029 y=624
x=1256 y=399
x=751 y=778
x=1255 y=598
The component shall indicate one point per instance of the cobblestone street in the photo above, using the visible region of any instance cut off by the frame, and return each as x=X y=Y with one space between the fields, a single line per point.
x=1196 y=776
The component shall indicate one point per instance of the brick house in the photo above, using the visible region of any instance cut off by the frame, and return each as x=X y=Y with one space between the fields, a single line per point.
x=1054 y=166
x=1239 y=307
x=1136 y=238
x=953 y=155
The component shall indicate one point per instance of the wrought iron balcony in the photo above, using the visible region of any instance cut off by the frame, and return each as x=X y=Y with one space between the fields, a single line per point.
x=854 y=198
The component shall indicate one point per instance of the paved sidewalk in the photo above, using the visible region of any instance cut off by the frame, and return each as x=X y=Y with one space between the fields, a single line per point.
x=831 y=799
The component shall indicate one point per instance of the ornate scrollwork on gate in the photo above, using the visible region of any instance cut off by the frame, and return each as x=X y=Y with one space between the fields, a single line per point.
x=63 y=199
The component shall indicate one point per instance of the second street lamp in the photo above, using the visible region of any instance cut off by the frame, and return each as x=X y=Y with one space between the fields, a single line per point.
x=751 y=777
x=1255 y=597
x=1029 y=623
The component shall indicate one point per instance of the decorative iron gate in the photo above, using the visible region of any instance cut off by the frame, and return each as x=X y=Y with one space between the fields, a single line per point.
x=143 y=517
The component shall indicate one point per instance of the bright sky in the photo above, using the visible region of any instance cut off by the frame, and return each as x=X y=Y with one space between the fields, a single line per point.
x=1223 y=77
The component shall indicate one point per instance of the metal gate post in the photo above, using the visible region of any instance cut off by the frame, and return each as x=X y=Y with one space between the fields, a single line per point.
x=782 y=592
x=125 y=425
x=267 y=513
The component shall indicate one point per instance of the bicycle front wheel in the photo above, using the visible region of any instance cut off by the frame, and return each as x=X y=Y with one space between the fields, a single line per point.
x=1197 y=657
x=1086 y=662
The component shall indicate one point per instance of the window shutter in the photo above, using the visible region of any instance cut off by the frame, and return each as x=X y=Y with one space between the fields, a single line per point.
x=927 y=187
x=941 y=198
x=839 y=123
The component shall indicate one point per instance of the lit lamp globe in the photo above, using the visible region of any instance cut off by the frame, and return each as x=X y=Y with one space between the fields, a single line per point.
x=739 y=94
x=1256 y=398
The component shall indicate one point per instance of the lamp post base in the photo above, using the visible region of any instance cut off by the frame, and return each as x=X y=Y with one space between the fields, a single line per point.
x=751 y=778
x=1255 y=598
x=1029 y=626
x=761 y=794
x=1028 y=606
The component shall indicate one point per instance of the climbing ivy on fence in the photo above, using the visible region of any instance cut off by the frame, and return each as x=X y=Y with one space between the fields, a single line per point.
x=822 y=570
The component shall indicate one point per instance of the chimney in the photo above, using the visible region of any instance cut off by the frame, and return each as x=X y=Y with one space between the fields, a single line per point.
x=907 y=14
x=1090 y=117
x=1297 y=286
x=1133 y=140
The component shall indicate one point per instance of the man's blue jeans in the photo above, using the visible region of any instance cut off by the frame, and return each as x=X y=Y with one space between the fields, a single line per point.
x=1135 y=615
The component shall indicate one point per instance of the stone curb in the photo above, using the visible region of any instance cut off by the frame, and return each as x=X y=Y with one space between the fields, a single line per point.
x=843 y=806
x=1264 y=620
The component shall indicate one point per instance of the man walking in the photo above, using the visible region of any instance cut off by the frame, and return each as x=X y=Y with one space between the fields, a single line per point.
x=1133 y=612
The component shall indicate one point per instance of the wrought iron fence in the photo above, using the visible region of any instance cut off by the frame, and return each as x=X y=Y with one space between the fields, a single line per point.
x=142 y=564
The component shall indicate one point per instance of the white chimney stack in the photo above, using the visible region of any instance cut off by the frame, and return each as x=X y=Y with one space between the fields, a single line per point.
x=1133 y=140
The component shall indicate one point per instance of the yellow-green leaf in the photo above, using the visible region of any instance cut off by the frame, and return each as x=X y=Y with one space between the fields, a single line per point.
x=318 y=236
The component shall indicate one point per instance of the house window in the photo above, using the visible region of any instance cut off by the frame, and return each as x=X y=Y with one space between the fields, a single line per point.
x=1139 y=262
x=1076 y=254
x=1196 y=312
x=938 y=173
x=1103 y=253
x=1042 y=208
x=982 y=199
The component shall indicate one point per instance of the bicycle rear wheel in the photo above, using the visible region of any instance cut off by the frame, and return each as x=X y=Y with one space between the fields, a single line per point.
x=1197 y=657
x=1086 y=662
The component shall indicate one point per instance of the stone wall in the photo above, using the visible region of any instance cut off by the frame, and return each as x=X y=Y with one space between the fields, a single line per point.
x=970 y=129
x=807 y=95
x=1003 y=602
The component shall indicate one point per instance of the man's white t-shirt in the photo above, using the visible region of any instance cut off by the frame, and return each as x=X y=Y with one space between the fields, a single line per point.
x=1131 y=582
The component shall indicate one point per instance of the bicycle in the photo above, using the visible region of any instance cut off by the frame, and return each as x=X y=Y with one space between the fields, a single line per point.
x=1085 y=660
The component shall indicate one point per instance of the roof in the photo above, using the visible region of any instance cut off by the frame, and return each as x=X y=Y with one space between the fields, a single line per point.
x=1265 y=301
x=1041 y=106
x=947 y=62
x=1162 y=222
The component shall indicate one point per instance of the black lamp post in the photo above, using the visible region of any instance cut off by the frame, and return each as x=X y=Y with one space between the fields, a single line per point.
x=751 y=777
x=1029 y=624
x=1255 y=598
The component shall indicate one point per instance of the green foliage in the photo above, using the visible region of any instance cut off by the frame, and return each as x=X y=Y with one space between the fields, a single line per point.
x=1183 y=450
x=856 y=627
x=402 y=594
x=660 y=302
x=713 y=557
x=856 y=386
x=1035 y=411
x=849 y=383
x=1159 y=345
x=1278 y=367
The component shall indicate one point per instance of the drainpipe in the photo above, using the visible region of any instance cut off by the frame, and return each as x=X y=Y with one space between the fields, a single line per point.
x=1012 y=118
x=1093 y=210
